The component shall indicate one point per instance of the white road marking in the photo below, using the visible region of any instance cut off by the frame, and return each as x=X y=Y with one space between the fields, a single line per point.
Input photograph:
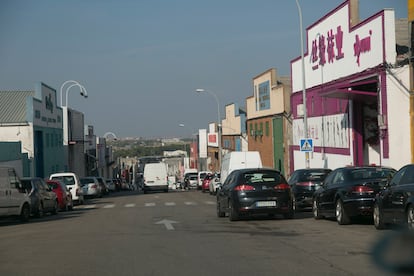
x=150 y=204
x=108 y=206
x=190 y=203
x=92 y=206
x=130 y=205
x=167 y=223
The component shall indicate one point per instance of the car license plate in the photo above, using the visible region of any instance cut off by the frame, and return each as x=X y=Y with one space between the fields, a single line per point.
x=266 y=204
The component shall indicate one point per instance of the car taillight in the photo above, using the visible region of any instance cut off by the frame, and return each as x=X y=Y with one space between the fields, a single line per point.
x=244 y=187
x=282 y=186
x=304 y=184
x=362 y=190
x=77 y=191
x=94 y=186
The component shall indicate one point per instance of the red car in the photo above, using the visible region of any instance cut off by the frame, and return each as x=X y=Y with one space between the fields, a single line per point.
x=205 y=186
x=64 y=196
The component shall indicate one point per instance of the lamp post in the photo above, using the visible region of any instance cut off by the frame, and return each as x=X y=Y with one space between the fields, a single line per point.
x=83 y=91
x=200 y=90
x=185 y=145
x=305 y=112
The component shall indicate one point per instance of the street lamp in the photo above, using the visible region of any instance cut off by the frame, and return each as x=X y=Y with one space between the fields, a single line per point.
x=200 y=90
x=305 y=112
x=185 y=145
x=83 y=91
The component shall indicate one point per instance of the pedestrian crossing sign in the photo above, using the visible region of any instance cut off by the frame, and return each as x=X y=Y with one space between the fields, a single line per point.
x=306 y=145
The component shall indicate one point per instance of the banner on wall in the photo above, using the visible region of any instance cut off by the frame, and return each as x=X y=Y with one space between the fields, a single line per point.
x=325 y=131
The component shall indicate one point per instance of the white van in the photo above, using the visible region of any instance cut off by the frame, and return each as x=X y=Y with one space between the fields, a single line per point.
x=239 y=160
x=71 y=180
x=155 y=177
x=14 y=199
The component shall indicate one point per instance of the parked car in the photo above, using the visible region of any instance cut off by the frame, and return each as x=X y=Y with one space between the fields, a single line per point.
x=253 y=191
x=205 y=186
x=395 y=203
x=91 y=187
x=71 y=181
x=200 y=177
x=14 y=200
x=63 y=195
x=102 y=184
x=214 y=184
x=304 y=182
x=348 y=192
x=190 y=180
x=42 y=199
x=110 y=185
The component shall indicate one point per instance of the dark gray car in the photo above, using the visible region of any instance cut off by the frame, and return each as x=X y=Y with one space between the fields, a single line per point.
x=43 y=199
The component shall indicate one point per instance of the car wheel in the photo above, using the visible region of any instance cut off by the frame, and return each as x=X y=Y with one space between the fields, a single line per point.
x=25 y=213
x=40 y=212
x=233 y=214
x=55 y=208
x=315 y=210
x=220 y=214
x=290 y=214
x=410 y=217
x=341 y=216
x=378 y=217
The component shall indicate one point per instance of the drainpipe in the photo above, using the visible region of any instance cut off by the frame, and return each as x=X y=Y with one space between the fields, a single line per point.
x=412 y=124
x=411 y=95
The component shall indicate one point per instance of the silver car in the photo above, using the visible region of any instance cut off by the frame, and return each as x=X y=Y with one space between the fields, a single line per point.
x=90 y=186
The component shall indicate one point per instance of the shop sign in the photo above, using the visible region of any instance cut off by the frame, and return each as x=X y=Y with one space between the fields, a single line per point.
x=329 y=47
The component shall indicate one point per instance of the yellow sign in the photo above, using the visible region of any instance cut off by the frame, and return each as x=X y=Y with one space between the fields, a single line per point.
x=410 y=10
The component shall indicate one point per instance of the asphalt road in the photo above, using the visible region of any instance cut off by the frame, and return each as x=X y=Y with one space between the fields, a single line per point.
x=178 y=233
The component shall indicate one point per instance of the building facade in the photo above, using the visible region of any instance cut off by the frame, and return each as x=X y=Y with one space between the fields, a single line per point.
x=268 y=119
x=234 y=137
x=357 y=100
x=34 y=119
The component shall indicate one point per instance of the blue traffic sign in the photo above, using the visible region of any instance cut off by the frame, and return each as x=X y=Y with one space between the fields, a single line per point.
x=306 y=145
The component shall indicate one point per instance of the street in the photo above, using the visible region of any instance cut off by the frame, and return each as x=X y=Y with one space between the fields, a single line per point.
x=178 y=233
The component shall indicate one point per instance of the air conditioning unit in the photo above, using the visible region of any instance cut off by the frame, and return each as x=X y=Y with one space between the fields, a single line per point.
x=300 y=110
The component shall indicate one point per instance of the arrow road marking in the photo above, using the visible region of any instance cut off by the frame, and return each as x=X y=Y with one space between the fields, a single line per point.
x=167 y=223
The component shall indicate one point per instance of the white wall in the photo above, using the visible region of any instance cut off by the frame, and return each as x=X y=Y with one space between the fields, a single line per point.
x=24 y=134
x=398 y=118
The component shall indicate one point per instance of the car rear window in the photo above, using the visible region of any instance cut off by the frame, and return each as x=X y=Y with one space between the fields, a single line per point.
x=313 y=176
x=67 y=180
x=84 y=181
x=263 y=177
x=369 y=173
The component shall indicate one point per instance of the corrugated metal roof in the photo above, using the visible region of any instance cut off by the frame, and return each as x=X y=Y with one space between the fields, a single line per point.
x=13 y=106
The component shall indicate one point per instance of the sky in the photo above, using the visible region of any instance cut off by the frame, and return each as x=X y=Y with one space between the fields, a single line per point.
x=141 y=61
